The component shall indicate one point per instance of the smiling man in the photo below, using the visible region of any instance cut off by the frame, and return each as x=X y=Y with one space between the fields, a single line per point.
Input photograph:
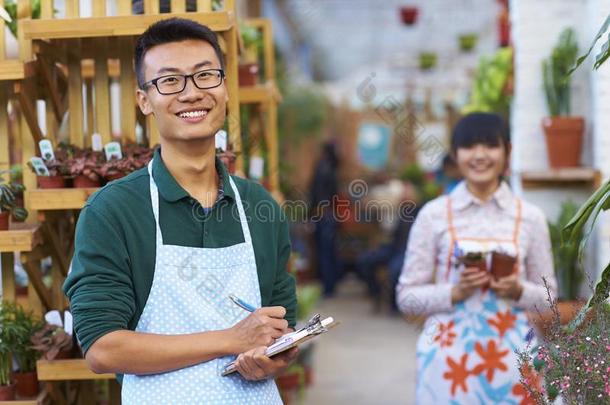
x=158 y=252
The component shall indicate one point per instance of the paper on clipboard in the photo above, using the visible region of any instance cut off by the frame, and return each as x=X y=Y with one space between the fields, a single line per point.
x=314 y=327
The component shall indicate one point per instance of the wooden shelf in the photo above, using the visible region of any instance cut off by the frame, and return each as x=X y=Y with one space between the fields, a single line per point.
x=262 y=93
x=71 y=369
x=576 y=176
x=41 y=399
x=103 y=27
x=20 y=238
x=58 y=198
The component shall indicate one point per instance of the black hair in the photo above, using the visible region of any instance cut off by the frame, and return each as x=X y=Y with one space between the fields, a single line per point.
x=486 y=128
x=172 y=30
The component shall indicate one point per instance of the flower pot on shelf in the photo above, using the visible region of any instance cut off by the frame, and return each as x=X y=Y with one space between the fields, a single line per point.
x=4 y=220
x=27 y=384
x=51 y=182
x=83 y=181
x=564 y=137
x=408 y=15
x=468 y=42
x=248 y=74
x=7 y=392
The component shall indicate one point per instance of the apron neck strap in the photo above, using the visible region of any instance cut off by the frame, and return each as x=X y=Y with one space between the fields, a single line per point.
x=154 y=199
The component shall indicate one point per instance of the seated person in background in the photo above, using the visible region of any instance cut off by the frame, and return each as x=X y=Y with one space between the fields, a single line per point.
x=390 y=254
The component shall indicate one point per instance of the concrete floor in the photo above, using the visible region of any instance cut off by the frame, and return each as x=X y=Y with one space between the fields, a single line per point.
x=368 y=359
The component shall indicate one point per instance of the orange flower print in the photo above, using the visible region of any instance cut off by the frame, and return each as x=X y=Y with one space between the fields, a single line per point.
x=504 y=322
x=520 y=391
x=445 y=335
x=457 y=373
x=492 y=360
x=533 y=380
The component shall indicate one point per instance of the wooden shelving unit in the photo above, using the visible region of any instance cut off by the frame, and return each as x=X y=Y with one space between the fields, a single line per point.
x=565 y=177
x=41 y=399
x=58 y=198
x=20 y=238
x=71 y=369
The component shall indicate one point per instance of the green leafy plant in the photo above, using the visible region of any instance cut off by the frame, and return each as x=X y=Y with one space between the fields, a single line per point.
x=11 y=9
x=468 y=41
x=491 y=89
x=603 y=55
x=8 y=198
x=29 y=325
x=11 y=333
x=578 y=230
x=427 y=60
x=565 y=254
x=50 y=340
x=307 y=299
x=253 y=42
x=555 y=71
x=302 y=113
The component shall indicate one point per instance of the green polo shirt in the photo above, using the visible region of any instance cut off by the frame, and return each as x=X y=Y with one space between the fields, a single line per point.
x=114 y=258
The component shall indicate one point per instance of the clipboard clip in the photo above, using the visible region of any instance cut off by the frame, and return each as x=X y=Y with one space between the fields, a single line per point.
x=314 y=325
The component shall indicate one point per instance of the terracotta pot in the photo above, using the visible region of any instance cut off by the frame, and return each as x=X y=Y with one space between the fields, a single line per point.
x=408 y=15
x=84 y=182
x=567 y=312
x=248 y=74
x=4 y=220
x=290 y=381
x=51 y=181
x=7 y=392
x=27 y=384
x=502 y=265
x=480 y=264
x=564 y=140
x=504 y=29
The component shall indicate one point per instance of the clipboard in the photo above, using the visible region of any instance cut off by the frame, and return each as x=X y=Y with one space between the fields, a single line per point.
x=314 y=327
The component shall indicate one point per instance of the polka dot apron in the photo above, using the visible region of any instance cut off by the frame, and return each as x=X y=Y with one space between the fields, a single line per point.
x=467 y=356
x=189 y=294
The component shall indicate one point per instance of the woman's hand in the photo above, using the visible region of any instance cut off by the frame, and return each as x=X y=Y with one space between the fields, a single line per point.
x=507 y=287
x=254 y=365
x=471 y=279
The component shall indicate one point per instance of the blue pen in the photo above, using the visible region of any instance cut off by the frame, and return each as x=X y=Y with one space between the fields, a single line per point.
x=241 y=303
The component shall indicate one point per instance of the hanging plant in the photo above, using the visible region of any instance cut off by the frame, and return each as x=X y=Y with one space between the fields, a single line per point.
x=409 y=14
x=468 y=41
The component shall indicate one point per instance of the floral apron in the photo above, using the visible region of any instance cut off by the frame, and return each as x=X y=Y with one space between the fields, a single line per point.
x=467 y=356
x=189 y=294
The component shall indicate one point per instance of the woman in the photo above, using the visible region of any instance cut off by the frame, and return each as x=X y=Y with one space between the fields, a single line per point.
x=466 y=353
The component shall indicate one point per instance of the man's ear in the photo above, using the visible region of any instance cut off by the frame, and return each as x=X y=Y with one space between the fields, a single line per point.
x=143 y=102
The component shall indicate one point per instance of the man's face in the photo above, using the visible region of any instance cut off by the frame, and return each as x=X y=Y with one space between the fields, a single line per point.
x=193 y=114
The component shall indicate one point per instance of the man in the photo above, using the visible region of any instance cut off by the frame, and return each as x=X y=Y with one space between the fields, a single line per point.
x=158 y=252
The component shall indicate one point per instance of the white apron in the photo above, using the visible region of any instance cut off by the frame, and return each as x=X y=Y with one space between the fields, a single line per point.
x=189 y=294
x=467 y=356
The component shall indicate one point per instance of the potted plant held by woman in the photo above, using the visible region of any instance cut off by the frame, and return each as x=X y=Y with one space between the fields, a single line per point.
x=8 y=203
x=563 y=131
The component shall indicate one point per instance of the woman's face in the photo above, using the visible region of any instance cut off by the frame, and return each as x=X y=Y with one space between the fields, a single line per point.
x=482 y=164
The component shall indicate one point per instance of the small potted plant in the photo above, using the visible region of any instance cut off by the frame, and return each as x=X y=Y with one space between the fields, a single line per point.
x=85 y=169
x=474 y=259
x=25 y=354
x=8 y=203
x=468 y=41
x=409 y=14
x=502 y=264
x=427 y=60
x=10 y=332
x=248 y=65
x=58 y=172
x=564 y=132
x=52 y=342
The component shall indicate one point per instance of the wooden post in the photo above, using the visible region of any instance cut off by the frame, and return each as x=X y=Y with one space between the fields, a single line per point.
x=204 y=6
x=102 y=94
x=5 y=157
x=233 y=89
x=178 y=6
x=128 y=89
x=75 y=94
x=151 y=6
x=8 y=276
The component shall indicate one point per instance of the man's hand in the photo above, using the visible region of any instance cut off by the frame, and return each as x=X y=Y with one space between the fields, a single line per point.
x=260 y=328
x=507 y=287
x=471 y=279
x=254 y=365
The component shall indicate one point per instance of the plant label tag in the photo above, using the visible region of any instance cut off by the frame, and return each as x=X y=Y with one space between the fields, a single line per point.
x=39 y=167
x=113 y=151
x=54 y=318
x=46 y=150
x=68 y=323
x=96 y=143
x=257 y=166
x=221 y=139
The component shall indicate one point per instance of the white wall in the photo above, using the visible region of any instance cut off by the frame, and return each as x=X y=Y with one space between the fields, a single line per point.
x=536 y=28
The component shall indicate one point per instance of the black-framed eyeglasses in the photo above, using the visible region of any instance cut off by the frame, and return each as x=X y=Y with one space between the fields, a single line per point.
x=172 y=84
